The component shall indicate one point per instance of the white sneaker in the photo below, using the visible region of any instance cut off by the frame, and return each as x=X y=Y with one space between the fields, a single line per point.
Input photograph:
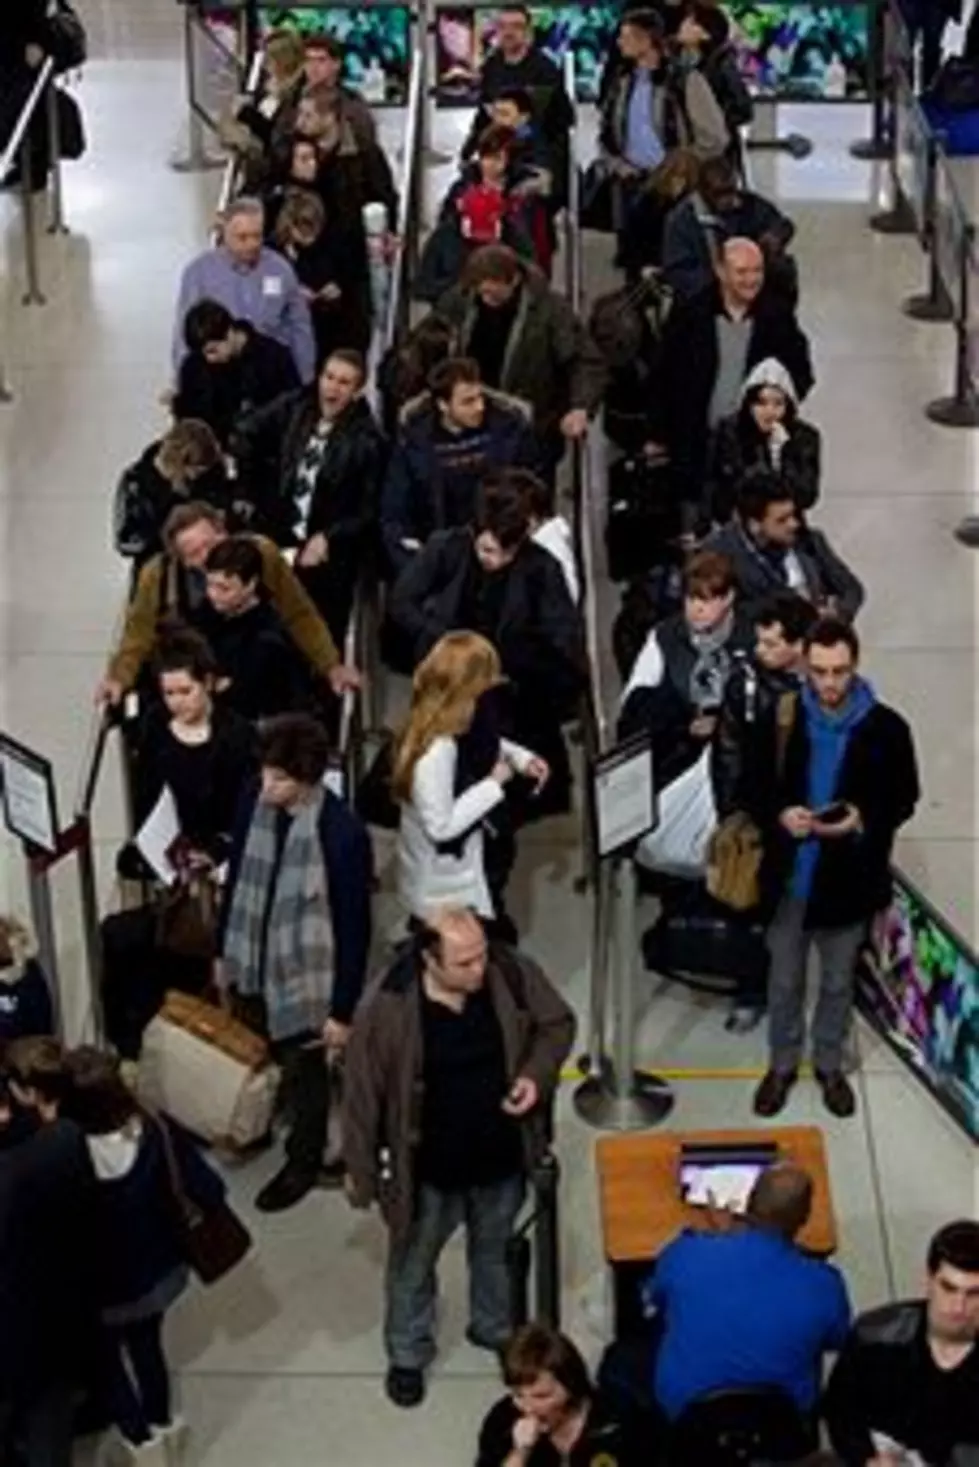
x=174 y=1439
x=118 y=1452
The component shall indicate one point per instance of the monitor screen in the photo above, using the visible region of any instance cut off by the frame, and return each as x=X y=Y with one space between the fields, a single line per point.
x=804 y=53
x=919 y=987
x=463 y=36
x=376 y=38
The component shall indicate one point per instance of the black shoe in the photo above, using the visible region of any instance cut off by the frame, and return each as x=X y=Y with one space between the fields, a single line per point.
x=286 y=1188
x=332 y=1173
x=838 y=1096
x=405 y=1387
x=773 y=1092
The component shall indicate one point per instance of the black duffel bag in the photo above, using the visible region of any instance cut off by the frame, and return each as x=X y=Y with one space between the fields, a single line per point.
x=643 y=517
x=701 y=938
x=956 y=86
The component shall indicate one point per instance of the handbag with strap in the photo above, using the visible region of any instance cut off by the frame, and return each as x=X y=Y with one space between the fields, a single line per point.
x=186 y=923
x=214 y=1239
x=736 y=849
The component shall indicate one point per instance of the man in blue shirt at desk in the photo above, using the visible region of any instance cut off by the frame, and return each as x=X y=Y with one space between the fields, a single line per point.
x=747 y=1307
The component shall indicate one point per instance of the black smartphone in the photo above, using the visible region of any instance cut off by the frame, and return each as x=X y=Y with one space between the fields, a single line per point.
x=832 y=814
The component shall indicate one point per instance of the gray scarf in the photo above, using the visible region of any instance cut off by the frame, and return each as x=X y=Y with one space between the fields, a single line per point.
x=709 y=673
x=296 y=977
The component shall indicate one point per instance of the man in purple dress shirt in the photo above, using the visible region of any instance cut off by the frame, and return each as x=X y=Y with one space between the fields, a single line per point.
x=254 y=283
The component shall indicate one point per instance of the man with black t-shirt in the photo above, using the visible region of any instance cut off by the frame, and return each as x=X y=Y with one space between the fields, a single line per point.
x=906 y=1383
x=450 y=1070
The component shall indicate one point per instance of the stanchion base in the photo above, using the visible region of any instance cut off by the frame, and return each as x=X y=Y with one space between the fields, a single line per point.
x=927 y=308
x=897 y=220
x=435 y=159
x=5 y=393
x=793 y=143
x=967 y=531
x=199 y=162
x=951 y=412
x=33 y=298
x=649 y=1101
x=871 y=150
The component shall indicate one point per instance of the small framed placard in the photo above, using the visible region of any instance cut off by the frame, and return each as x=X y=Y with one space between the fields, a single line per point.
x=27 y=791
x=624 y=795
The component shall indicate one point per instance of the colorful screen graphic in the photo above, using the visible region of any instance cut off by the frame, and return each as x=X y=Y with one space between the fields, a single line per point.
x=376 y=38
x=463 y=37
x=804 y=53
x=919 y=988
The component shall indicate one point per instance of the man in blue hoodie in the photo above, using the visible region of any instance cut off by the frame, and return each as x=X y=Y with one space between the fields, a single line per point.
x=849 y=781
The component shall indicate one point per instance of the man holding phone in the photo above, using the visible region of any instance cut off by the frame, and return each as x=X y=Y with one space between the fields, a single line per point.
x=848 y=783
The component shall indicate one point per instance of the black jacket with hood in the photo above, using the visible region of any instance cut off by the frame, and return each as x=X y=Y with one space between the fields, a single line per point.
x=219 y=395
x=738 y=446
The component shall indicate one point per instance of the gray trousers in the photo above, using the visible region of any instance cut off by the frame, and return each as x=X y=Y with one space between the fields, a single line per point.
x=411 y=1286
x=788 y=943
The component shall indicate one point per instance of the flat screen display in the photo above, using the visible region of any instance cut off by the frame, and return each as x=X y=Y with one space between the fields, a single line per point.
x=803 y=53
x=464 y=36
x=919 y=987
x=376 y=38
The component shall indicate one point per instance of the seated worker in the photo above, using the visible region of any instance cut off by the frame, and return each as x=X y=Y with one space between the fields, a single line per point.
x=755 y=715
x=711 y=344
x=260 y=670
x=192 y=744
x=720 y=209
x=295 y=931
x=766 y=432
x=772 y=549
x=252 y=282
x=528 y=343
x=489 y=577
x=553 y=1411
x=230 y=369
x=173 y=585
x=185 y=464
x=449 y=440
x=747 y=1307
x=314 y=460
x=651 y=109
x=484 y=206
x=906 y=1384
x=674 y=693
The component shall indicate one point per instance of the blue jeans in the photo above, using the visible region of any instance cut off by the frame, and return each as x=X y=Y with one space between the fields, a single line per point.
x=411 y=1286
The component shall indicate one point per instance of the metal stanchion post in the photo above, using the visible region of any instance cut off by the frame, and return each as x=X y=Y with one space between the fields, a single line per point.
x=621 y=1098
x=547 y=1266
x=880 y=144
x=197 y=159
x=56 y=220
x=961 y=410
x=764 y=137
x=518 y=1274
x=88 y=895
x=932 y=304
x=42 y=918
x=33 y=296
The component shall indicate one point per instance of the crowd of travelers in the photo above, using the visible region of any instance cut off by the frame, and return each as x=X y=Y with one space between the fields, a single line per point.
x=284 y=481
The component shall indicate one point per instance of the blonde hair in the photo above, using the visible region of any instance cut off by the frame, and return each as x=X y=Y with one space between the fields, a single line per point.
x=285 y=55
x=189 y=448
x=301 y=210
x=444 y=692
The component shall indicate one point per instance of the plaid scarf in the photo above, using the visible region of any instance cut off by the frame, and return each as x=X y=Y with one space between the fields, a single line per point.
x=295 y=978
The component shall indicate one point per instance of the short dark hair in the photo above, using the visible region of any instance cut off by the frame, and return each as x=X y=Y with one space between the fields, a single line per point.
x=38 y=1062
x=794 y=614
x=537 y=494
x=297 y=744
x=649 y=21
x=206 y=322
x=237 y=556
x=188 y=514
x=492 y=262
x=709 y=573
x=956 y=1244
x=830 y=631
x=718 y=173
x=536 y=1350
x=181 y=649
x=758 y=490
x=781 y=1199
x=517 y=9
x=97 y=1098
x=324 y=41
x=502 y=512
x=446 y=376
x=520 y=98
x=351 y=357
x=495 y=139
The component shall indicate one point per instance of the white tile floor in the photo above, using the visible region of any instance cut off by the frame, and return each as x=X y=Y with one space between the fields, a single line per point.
x=283 y=1361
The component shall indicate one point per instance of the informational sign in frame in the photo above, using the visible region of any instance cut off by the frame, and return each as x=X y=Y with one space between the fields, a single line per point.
x=27 y=794
x=623 y=796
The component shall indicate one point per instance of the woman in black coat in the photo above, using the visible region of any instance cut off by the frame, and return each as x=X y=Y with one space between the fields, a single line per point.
x=185 y=464
x=338 y=294
x=765 y=433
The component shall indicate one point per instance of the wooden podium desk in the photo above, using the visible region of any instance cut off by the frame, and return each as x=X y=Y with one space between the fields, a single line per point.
x=641 y=1206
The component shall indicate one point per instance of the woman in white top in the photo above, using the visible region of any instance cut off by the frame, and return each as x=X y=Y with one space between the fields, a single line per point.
x=450 y=769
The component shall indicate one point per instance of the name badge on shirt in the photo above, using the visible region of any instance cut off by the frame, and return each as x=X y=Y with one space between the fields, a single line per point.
x=271 y=285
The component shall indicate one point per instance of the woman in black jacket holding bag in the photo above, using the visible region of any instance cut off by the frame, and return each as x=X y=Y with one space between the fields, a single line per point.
x=141 y=1264
x=766 y=432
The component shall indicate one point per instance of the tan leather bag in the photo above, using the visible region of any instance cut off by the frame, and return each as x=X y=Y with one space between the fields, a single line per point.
x=208 y=1071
